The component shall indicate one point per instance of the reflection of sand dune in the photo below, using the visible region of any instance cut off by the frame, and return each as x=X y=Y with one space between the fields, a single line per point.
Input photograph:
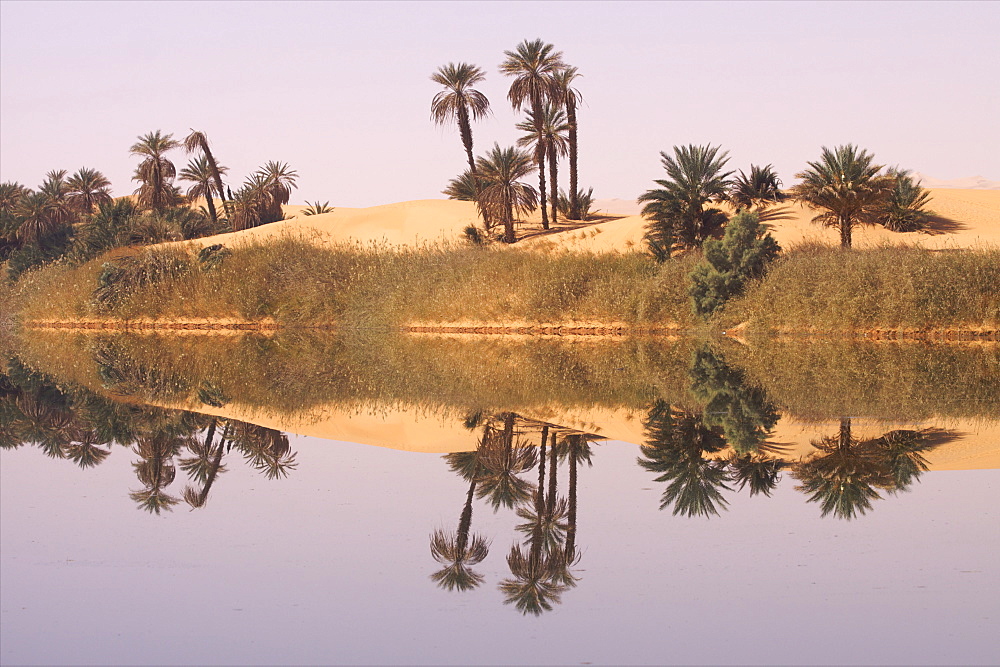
x=976 y=444
x=968 y=218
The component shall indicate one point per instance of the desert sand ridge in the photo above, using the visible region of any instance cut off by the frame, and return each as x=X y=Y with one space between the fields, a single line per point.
x=969 y=218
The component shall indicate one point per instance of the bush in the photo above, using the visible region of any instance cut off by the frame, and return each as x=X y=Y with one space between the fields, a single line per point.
x=728 y=265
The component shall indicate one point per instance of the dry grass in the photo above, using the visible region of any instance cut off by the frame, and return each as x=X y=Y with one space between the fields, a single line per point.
x=295 y=282
x=816 y=288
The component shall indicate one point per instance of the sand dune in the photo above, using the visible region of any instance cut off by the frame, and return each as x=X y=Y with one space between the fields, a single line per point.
x=968 y=218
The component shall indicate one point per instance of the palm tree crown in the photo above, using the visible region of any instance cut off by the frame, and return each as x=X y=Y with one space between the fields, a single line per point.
x=503 y=169
x=202 y=174
x=155 y=172
x=87 y=189
x=459 y=101
x=534 y=65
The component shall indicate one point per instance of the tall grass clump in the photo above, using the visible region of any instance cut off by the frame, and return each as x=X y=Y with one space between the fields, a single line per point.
x=295 y=281
x=822 y=289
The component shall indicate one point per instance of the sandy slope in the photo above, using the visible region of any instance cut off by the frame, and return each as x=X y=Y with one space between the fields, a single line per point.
x=973 y=218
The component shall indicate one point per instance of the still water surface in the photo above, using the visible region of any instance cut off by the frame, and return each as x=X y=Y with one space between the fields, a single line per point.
x=721 y=535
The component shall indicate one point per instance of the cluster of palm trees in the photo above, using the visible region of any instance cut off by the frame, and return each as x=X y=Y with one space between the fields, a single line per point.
x=543 y=87
x=75 y=424
x=77 y=216
x=845 y=186
x=540 y=566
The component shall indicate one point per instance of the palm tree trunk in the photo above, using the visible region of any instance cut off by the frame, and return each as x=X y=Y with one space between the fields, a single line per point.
x=211 y=205
x=845 y=231
x=571 y=531
x=552 y=477
x=508 y=220
x=536 y=104
x=554 y=179
x=218 y=179
x=465 y=521
x=574 y=200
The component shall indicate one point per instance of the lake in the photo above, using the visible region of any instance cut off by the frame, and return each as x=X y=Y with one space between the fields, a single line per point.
x=306 y=498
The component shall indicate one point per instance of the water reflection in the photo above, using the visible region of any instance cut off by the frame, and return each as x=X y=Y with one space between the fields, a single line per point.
x=708 y=433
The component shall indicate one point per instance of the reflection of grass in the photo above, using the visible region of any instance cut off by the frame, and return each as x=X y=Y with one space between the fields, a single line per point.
x=819 y=288
x=835 y=378
x=292 y=372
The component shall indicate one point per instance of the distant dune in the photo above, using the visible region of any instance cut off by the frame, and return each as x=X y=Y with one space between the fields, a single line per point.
x=967 y=218
x=970 y=183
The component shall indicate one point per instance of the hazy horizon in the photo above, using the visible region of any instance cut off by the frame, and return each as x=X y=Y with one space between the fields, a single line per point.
x=341 y=91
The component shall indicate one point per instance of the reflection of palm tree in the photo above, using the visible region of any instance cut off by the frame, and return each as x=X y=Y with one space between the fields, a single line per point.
x=156 y=471
x=265 y=449
x=503 y=461
x=578 y=451
x=761 y=472
x=675 y=444
x=459 y=551
x=205 y=466
x=844 y=475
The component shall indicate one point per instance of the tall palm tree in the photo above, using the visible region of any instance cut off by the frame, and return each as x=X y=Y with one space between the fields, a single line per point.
x=844 y=184
x=534 y=65
x=553 y=141
x=155 y=172
x=198 y=141
x=87 y=189
x=503 y=168
x=571 y=98
x=677 y=209
x=202 y=175
x=459 y=102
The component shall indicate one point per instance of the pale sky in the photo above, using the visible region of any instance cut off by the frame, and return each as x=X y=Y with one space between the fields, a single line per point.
x=341 y=91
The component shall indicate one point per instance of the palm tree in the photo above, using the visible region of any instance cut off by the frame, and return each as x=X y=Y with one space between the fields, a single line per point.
x=316 y=208
x=198 y=141
x=761 y=472
x=460 y=102
x=280 y=178
x=903 y=207
x=56 y=188
x=503 y=168
x=571 y=97
x=260 y=199
x=844 y=184
x=10 y=194
x=677 y=208
x=88 y=189
x=38 y=217
x=534 y=65
x=758 y=191
x=552 y=141
x=155 y=172
x=203 y=176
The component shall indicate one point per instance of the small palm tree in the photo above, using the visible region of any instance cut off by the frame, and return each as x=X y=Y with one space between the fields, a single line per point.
x=202 y=175
x=584 y=202
x=844 y=184
x=552 y=141
x=503 y=169
x=677 y=209
x=155 y=172
x=903 y=209
x=459 y=102
x=198 y=141
x=87 y=189
x=758 y=192
x=534 y=65
x=38 y=217
x=316 y=208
